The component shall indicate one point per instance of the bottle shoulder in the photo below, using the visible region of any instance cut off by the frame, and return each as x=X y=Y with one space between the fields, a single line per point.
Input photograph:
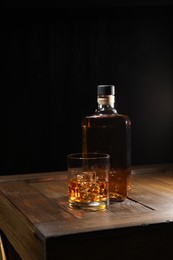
x=113 y=118
x=107 y=115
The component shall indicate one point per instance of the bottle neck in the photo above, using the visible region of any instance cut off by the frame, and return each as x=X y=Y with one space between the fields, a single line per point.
x=106 y=103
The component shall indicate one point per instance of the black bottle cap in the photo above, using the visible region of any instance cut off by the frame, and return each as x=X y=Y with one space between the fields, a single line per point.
x=105 y=90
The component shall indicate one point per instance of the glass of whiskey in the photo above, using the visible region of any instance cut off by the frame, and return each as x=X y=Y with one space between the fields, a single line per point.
x=88 y=184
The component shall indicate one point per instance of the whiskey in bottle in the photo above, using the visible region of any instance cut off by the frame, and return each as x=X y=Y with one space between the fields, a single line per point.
x=110 y=132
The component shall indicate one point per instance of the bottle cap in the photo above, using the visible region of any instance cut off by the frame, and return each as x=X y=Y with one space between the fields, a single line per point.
x=105 y=90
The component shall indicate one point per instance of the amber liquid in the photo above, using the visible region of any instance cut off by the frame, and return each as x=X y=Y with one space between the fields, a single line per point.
x=90 y=195
x=111 y=134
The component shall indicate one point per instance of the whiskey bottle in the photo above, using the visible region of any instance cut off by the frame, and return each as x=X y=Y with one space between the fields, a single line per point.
x=110 y=132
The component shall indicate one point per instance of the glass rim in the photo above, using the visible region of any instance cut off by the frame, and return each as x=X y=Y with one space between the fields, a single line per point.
x=88 y=156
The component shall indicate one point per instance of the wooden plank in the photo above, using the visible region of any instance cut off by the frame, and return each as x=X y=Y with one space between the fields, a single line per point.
x=140 y=242
x=152 y=168
x=93 y=221
x=153 y=190
x=19 y=231
x=57 y=190
x=31 y=203
x=136 y=170
x=44 y=176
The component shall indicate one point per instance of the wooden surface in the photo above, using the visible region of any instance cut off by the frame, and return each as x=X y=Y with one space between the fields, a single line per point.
x=35 y=217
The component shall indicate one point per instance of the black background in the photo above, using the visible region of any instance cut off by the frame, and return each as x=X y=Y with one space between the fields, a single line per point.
x=54 y=55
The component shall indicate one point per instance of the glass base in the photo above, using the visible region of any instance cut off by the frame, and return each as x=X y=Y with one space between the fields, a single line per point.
x=90 y=206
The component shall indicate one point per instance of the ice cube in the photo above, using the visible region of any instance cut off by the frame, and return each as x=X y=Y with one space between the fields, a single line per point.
x=89 y=176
